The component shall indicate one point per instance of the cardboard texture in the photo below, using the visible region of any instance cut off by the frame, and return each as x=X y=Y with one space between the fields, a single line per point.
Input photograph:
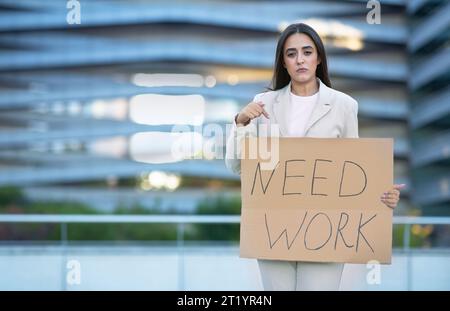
x=320 y=203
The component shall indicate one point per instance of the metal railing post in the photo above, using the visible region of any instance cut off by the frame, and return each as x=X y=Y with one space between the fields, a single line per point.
x=180 y=252
x=63 y=231
x=63 y=242
x=407 y=250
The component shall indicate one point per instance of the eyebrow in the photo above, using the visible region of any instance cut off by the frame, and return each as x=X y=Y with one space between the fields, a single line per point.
x=306 y=47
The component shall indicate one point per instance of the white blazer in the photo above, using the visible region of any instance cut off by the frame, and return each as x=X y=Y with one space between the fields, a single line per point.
x=334 y=116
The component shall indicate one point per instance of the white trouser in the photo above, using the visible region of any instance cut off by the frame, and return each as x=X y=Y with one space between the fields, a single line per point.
x=300 y=275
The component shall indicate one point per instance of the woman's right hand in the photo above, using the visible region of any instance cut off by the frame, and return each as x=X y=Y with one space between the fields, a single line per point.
x=251 y=111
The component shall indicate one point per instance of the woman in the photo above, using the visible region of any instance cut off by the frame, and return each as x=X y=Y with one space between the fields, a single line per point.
x=303 y=104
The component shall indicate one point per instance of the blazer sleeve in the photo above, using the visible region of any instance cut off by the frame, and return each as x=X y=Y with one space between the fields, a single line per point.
x=233 y=147
x=351 y=121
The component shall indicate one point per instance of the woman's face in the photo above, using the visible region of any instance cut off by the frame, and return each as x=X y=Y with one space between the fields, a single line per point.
x=300 y=58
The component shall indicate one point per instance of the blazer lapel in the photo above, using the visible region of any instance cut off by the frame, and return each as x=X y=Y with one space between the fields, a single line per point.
x=321 y=108
x=280 y=109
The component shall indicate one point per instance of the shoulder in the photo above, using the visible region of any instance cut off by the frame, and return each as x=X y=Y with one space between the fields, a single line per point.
x=266 y=96
x=269 y=97
x=343 y=100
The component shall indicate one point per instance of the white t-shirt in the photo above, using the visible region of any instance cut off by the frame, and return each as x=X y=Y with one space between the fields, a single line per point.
x=299 y=111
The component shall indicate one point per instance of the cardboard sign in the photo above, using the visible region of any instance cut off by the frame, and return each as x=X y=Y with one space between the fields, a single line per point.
x=320 y=201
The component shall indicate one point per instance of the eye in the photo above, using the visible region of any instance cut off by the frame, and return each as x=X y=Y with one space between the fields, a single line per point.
x=308 y=52
x=291 y=54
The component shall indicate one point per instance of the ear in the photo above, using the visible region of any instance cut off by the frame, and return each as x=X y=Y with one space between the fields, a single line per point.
x=319 y=61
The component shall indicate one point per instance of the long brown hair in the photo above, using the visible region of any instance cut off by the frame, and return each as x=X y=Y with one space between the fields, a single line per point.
x=281 y=76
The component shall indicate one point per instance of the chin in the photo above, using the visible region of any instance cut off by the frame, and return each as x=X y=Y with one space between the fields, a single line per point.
x=302 y=79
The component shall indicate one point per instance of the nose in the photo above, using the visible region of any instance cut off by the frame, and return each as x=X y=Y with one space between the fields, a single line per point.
x=300 y=60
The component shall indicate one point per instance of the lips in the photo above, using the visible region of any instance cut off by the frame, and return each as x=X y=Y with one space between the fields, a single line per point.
x=302 y=70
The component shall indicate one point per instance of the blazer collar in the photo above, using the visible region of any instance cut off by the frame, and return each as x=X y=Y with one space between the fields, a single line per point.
x=321 y=108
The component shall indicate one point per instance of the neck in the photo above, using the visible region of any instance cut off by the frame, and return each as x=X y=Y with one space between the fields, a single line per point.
x=305 y=89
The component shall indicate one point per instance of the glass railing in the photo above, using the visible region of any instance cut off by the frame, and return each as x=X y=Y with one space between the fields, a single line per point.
x=191 y=265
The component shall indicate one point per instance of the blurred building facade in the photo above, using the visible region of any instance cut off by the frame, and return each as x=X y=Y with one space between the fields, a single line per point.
x=429 y=96
x=96 y=101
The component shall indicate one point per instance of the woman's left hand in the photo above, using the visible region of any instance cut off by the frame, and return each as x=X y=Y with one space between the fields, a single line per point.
x=391 y=197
